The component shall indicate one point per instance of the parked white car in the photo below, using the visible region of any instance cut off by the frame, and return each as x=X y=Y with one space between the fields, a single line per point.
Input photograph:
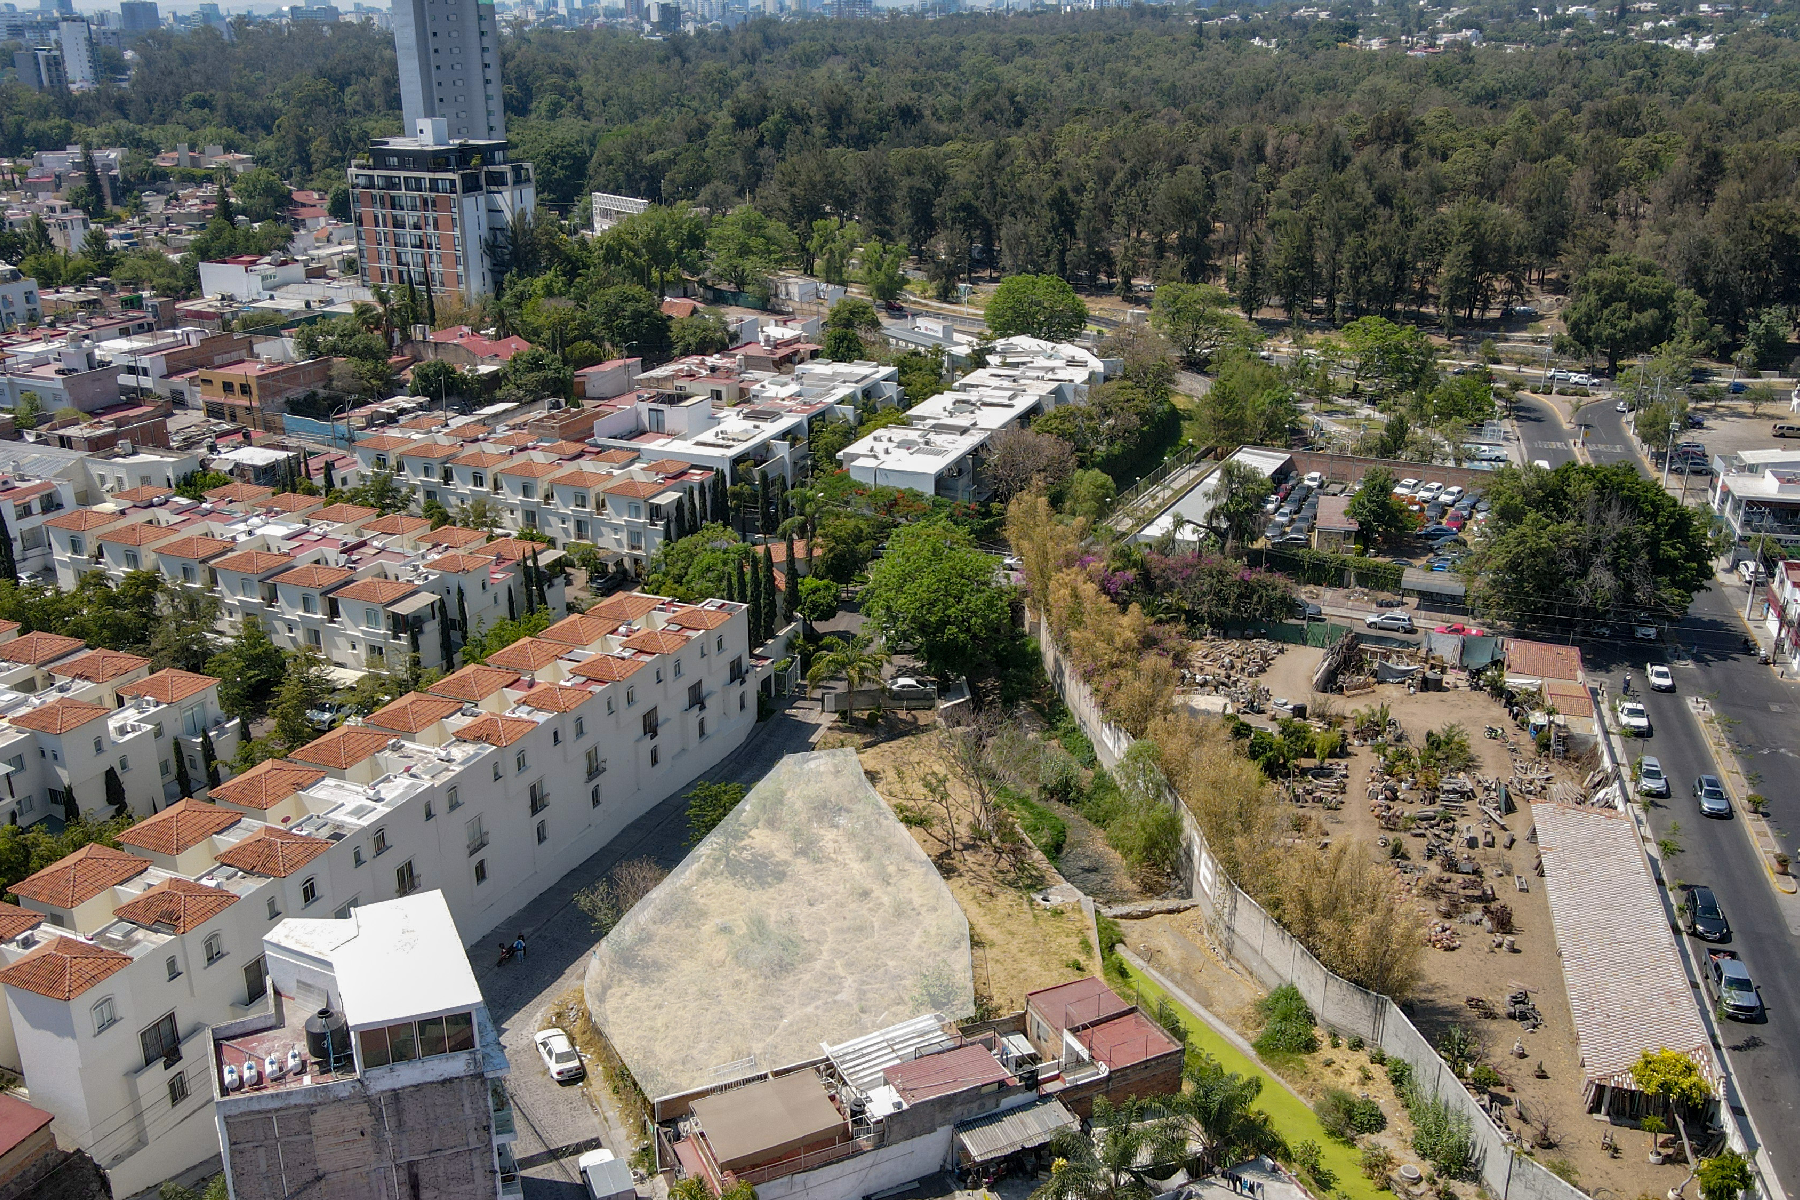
x=1314 y=479
x=1451 y=494
x=1660 y=677
x=560 y=1057
x=1406 y=487
x=1428 y=493
x=1633 y=719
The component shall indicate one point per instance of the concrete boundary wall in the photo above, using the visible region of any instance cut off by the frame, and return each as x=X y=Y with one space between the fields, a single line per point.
x=1258 y=943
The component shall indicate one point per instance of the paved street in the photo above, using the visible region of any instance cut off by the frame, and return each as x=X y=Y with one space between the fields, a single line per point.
x=1542 y=434
x=556 y=1122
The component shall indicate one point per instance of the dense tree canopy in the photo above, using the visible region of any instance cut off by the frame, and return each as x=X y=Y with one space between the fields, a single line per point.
x=935 y=594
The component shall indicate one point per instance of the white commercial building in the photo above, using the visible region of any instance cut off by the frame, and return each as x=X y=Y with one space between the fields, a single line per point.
x=609 y=209
x=19 y=299
x=247 y=277
x=498 y=779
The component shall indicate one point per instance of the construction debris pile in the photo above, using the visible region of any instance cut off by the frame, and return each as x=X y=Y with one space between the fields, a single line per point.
x=1229 y=667
x=1326 y=784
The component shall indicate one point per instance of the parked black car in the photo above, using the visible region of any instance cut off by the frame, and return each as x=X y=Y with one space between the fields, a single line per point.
x=1702 y=916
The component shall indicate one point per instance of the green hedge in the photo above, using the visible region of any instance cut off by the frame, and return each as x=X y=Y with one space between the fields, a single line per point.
x=1322 y=569
x=1047 y=831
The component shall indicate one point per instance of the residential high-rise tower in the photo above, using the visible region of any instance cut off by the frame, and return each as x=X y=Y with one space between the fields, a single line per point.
x=450 y=66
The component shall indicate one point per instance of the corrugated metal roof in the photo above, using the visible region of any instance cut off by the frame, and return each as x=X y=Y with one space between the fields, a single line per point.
x=1627 y=989
x=862 y=1060
x=999 y=1134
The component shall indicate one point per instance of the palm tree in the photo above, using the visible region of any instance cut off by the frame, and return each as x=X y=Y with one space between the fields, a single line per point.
x=1219 y=1111
x=856 y=660
x=1131 y=1142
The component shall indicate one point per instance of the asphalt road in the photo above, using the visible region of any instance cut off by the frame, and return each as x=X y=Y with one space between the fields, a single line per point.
x=1542 y=434
x=1705 y=652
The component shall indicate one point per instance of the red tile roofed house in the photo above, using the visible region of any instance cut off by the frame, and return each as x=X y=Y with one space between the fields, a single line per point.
x=496 y=731
x=269 y=790
x=29 y=659
x=63 y=968
x=677 y=307
x=240 y=497
x=246 y=583
x=416 y=716
x=69 y=887
x=538 y=660
x=352 y=515
x=347 y=752
x=403 y=528
x=1105 y=1046
x=1541 y=660
x=127 y=547
x=456 y=537
x=294 y=504
x=554 y=698
x=461 y=345
x=607 y=668
x=479 y=684
x=180 y=905
x=276 y=853
x=187 y=559
x=74 y=544
x=106 y=670
x=179 y=838
x=28 y=1151
x=581 y=630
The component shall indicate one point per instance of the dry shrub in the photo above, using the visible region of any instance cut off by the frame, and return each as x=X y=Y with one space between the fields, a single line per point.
x=607 y=901
x=1227 y=793
x=1342 y=905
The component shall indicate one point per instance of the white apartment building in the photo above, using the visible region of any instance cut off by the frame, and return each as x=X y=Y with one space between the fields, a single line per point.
x=247 y=277
x=19 y=299
x=941 y=448
x=501 y=777
x=449 y=52
x=377 y=1011
x=76 y=40
x=26 y=504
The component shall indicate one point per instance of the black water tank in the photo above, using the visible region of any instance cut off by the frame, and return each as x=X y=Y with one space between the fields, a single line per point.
x=327 y=1037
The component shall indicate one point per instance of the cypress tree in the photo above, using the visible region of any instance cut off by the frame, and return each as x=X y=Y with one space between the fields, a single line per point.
x=693 y=512
x=781 y=499
x=720 y=506
x=462 y=615
x=771 y=596
x=183 y=780
x=209 y=758
x=330 y=483
x=530 y=590
x=762 y=502
x=445 y=646
x=668 y=531
x=306 y=464
x=97 y=202
x=9 y=569
x=738 y=594
x=755 y=603
x=115 y=792
x=791 y=575
x=543 y=578
x=71 y=807
x=512 y=606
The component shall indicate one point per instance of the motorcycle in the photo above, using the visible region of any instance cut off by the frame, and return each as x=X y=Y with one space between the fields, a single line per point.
x=507 y=953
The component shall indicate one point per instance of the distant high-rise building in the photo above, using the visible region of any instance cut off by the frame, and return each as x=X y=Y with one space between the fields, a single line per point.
x=41 y=69
x=77 y=43
x=428 y=209
x=852 y=10
x=449 y=54
x=318 y=13
x=209 y=14
x=138 y=16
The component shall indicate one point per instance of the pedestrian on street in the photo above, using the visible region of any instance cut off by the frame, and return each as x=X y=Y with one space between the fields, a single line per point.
x=519 y=945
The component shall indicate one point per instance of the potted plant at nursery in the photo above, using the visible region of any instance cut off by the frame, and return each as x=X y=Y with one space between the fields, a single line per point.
x=1653 y=1125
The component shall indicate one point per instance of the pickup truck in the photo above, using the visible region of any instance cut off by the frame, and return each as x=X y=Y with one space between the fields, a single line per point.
x=1728 y=982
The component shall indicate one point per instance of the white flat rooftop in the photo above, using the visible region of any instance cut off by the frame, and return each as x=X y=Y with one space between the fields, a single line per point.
x=394 y=961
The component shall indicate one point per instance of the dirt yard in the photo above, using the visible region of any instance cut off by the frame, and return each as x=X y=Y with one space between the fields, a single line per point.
x=1019 y=943
x=1462 y=986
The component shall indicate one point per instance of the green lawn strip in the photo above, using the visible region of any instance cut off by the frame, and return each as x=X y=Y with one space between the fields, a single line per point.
x=1293 y=1119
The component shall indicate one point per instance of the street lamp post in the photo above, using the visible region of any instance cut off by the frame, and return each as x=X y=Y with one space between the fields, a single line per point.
x=1669 y=451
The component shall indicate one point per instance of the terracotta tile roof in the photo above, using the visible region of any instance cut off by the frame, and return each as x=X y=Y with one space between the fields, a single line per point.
x=459 y=564
x=616 y=458
x=63 y=968
x=15 y=920
x=36 y=649
x=510 y=549
x=481 y=458
x=496 y=731
x=142 y=494
x=274 y=852
x=239 y=493
x=626 y=606
x=528 y=654
x=432 y=450
x=656 y=641
x=9 y=626
x=413 y=712
x=514 y=439
x=474 y=682
x=180 y=904
x=699 y=618
x=342 y=514
x=100 y=666
x=1542 y=660
x=201 y=548
x=579 y=629
x=170 y=685
x=668 y=466
x=376 y=591
x=400 y=523
x=384 y=442
x=314 y=575
x=59 y=716
x=267 y=784
x=469 y=433
x=778 y=551
x=139 y=533
x=552 y=698
x=581 y=479
x=82 y=519
x=180 y=827
x=294 y=502
x=607 y=668
x=638 y=489
x=562 y=449
x=79 y=877
x=344 y=746
x=533 y=470
x=253 y=562
x=426 y=422
x=454 y=536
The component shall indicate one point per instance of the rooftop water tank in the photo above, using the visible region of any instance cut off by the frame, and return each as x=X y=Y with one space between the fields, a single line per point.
x=327 y=1037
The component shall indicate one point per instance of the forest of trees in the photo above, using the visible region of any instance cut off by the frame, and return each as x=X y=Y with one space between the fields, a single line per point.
x=1100 y=146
